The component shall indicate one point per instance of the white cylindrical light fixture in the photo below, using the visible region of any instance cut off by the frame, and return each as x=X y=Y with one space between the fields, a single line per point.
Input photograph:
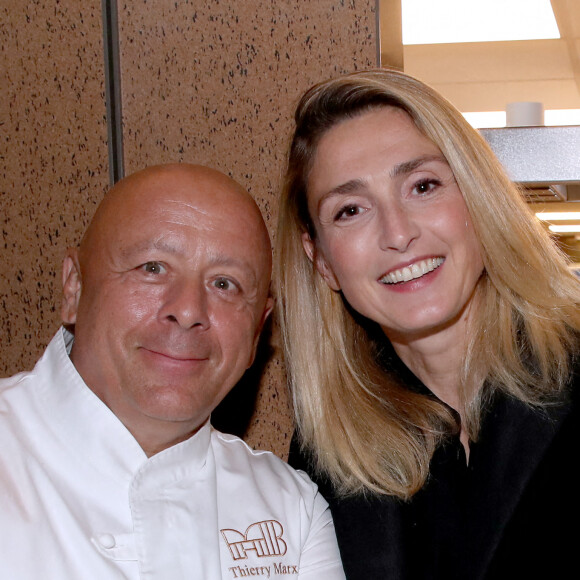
x=524 y=114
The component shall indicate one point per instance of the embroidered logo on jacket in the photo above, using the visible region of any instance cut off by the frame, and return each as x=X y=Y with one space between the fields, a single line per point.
x=262 y=538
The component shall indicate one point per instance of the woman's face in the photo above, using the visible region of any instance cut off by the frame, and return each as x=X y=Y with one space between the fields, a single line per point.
x=393 y=231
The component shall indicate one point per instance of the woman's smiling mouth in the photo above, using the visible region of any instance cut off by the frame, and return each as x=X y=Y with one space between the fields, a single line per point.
x=412 y=272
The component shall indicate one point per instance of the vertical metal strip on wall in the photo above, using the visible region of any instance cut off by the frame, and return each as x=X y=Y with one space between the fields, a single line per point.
x=113 y=90
x=390 y=34
x=378 y=31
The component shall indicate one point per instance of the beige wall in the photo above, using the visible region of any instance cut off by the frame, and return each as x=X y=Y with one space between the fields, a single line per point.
x=485 y=76
x=209 y=82
x=53 y=159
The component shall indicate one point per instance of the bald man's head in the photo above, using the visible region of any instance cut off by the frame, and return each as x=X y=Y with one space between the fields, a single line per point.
x=211 y=187
x=168 y=293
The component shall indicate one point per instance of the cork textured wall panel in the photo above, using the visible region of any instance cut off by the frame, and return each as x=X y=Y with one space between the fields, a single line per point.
x=216 y=82
x=53 y=159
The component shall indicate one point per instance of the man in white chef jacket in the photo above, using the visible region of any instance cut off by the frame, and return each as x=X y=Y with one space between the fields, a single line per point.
x=109 y=467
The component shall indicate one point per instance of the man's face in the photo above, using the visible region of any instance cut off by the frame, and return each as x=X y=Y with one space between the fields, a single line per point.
x=173 y=296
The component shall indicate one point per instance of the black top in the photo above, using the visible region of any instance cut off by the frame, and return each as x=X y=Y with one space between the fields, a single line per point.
x=511 y=513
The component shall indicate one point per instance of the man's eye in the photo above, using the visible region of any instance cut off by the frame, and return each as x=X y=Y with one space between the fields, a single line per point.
x=153 y=268
x=224 y=284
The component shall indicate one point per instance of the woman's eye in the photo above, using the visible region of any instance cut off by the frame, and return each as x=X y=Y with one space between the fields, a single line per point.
x=426 y=186
x=153 y=268
x=347 y=212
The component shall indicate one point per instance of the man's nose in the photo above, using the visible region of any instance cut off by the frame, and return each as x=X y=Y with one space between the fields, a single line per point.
x=186 y=304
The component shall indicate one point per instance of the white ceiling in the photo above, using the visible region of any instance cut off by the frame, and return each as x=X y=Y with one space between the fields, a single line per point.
x=485 y=76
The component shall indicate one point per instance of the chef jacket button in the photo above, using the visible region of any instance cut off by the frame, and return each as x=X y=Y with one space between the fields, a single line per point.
x=107 y=541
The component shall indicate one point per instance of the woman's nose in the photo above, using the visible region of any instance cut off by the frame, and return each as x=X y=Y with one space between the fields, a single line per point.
x=398 y=227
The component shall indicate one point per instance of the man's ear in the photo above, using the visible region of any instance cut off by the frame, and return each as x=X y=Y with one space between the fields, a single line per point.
x=319 y=262
x=71 y=286
x=267 y=311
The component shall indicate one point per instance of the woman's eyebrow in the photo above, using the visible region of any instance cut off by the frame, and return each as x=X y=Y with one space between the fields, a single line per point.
x=346 y=188
x=407 y=167
x=403 y=168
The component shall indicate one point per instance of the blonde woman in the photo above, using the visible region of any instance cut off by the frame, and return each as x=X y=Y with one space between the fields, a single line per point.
x=431 y=331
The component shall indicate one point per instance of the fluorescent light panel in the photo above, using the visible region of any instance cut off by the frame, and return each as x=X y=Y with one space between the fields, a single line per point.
x=486 y=119
x=549 y=216
x=495 y=119
x=448 y=21
x=565 y=229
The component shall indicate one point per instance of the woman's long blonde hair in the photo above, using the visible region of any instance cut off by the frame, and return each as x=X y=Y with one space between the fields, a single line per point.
x=365 y=430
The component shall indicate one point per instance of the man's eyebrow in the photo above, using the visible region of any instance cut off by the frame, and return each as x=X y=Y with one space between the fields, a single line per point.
x=149 y=245
x=225 y=260
x=215 y=257
x=245 y=266
x=407 y=167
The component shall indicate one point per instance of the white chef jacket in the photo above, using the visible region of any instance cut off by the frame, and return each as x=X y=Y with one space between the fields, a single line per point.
x=80 y=500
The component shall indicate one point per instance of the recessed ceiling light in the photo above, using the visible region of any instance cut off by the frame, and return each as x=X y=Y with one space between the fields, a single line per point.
x=447 y=21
